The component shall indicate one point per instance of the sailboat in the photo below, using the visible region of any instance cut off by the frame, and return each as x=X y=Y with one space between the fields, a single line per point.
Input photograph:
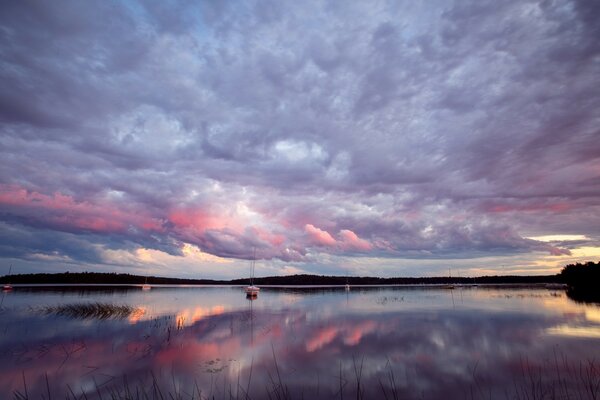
x=145 y=286
x=449 y=285
x=7 y=286
x=252 y=291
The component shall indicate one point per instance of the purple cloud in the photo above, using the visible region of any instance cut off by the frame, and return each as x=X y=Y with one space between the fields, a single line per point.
x=395 y=130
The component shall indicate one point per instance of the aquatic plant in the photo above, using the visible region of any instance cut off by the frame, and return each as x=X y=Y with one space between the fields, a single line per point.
x=567 y=381
x=92 y=310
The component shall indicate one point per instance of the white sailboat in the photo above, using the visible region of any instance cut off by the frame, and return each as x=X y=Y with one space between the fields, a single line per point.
x=145 y=286
x=252 y=291
x=7 y=286
x=449 y=285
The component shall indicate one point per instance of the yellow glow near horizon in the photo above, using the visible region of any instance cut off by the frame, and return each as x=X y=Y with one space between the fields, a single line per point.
x=193 y=251
x=189 y=251
x=587 y=251
x=553 y=264
x=144 y=254
x=558 y=238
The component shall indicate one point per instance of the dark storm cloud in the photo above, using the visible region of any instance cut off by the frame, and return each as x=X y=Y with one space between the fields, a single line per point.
x=382 y=128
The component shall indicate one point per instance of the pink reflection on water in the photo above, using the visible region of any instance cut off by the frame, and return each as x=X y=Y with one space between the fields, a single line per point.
x=430 y=351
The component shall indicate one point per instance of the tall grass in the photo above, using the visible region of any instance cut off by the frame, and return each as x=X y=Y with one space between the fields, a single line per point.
x=576 y=381
x=92 y=310
x=358 y=378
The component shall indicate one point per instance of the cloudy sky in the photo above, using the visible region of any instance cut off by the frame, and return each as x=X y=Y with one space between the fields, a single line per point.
x=392 y=138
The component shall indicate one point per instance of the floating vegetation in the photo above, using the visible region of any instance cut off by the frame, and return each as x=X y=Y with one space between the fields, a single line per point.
x=93 y=310
x=385 y=299
x=214 y=366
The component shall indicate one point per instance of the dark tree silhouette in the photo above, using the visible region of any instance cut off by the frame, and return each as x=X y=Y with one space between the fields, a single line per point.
x=583 y=281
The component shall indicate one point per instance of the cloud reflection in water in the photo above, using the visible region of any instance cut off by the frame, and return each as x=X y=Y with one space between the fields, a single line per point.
x=418 y=342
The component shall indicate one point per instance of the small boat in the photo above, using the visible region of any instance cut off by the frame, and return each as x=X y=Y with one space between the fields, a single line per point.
x=145 y=286
x=7 y=286
x=347 y=287
x=449 y=285
x=252 y=291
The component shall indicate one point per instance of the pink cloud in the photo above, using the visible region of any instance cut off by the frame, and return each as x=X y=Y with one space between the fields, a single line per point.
x=64 y=212
x=346 y=239
x=318 y=236
x=196 y=218
x=273 y=239
x=350 y=240
x=557 y=251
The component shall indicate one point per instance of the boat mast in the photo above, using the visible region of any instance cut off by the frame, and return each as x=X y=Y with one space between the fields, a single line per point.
x=252 y=267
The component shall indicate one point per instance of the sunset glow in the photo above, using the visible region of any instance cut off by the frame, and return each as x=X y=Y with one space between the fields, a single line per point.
x=366 y=138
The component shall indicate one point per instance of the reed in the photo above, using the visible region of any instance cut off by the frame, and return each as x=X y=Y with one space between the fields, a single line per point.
x=92 y=310
x=556 y=379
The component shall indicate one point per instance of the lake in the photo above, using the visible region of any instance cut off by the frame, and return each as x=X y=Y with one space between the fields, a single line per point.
x=291 y=343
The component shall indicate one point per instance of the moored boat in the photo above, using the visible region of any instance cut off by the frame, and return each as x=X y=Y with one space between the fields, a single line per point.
x=7 y=286
x=252 y=291
x=146 y=286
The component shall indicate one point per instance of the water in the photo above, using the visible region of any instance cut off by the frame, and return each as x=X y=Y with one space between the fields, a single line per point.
x=211 y=342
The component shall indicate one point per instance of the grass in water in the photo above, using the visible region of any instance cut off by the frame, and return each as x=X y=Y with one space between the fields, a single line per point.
x=92 y=310
x=571 y=381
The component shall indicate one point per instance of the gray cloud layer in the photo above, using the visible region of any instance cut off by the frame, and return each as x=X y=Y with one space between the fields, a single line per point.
x=397 y=129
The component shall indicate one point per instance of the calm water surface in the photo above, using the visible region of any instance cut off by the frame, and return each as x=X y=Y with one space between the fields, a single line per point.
x=211 y=342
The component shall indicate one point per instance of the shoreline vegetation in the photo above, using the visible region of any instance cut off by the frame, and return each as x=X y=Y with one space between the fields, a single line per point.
x=581 y=276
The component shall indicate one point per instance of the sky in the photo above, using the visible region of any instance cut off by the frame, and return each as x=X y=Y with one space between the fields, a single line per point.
x=380 y=138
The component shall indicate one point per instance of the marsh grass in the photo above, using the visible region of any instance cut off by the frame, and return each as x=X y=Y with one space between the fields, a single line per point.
x=569 y=381
x=92 y=310
x=551 y=379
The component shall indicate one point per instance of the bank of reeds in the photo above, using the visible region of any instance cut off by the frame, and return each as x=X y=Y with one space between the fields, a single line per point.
x=91 y=310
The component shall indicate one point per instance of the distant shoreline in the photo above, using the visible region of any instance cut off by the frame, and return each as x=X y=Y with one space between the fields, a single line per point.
x=112 y=279
x=580 y=282
x=551 y=286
